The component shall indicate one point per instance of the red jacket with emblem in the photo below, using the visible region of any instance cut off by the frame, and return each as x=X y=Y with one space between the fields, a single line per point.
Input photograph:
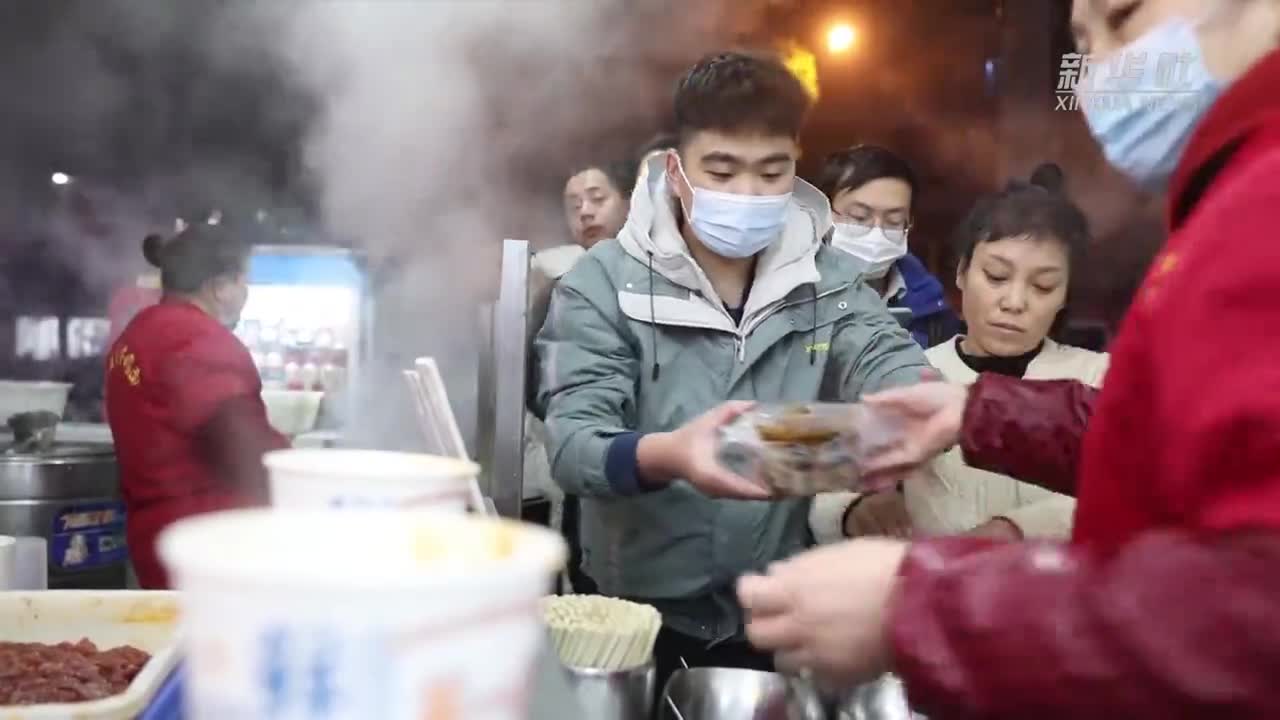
x=183 y=399
x=1166 y=604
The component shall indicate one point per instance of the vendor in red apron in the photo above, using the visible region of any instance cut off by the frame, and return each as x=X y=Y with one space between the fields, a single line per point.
x=183 y=397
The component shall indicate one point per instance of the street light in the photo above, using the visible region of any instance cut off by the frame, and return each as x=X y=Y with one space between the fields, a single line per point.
x=840 y=38
x=60 y=178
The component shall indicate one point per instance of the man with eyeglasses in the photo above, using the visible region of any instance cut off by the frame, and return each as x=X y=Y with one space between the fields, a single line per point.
x=871 y=191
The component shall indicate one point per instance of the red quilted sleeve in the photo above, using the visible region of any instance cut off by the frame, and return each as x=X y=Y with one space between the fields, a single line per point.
x=1027 y=429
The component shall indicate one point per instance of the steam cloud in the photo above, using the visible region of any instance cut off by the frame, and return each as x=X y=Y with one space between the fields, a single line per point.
x=426 y=132
x=434 y=117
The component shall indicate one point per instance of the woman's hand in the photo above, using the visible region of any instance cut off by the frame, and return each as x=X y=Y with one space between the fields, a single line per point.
x=930 y=416
x=882 y=514
x=825 y=610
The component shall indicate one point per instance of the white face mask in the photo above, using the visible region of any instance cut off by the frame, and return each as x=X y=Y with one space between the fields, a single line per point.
x=875 y=246
x=230 y=300
x=735 y=226
x=1142 y=126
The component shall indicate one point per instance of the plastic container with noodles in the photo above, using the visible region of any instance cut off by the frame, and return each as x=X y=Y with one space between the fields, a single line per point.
x=360 y=614
x=805 y=448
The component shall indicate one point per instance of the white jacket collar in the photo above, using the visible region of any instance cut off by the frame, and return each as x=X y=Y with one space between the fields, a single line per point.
x=787 y=264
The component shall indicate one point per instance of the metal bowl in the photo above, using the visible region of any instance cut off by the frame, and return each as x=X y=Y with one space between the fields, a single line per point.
x=724 y=694
x=882 y=699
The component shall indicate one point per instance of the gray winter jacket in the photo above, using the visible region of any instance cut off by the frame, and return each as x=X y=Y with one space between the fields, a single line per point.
x=810 y=330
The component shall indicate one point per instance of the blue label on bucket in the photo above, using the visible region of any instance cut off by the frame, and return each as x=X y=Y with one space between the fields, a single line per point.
x=359 y=502
x=314 y=672
x=88 y=536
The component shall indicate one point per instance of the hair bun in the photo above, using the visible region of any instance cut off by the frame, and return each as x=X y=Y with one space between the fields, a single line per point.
x=1049 y=176
x=152 y=249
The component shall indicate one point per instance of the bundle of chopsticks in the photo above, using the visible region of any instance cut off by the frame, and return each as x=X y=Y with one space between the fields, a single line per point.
x=600 y=633
x=437 y=422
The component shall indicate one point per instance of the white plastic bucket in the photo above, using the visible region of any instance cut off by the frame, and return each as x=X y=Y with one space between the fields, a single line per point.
x=293 y=614
x=292 y=412
x=342 y=478
x=22 y=397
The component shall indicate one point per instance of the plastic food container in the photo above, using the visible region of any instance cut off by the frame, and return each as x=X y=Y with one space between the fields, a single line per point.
x=22 y=397
x=147 y=620
x=342 y=478
x=361 y=614
x=804 y=448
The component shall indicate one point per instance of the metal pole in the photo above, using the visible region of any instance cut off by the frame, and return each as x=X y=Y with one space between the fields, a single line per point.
x=507 y=368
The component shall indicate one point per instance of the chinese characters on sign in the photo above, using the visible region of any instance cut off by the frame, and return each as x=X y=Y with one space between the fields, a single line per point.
x=1123 y=79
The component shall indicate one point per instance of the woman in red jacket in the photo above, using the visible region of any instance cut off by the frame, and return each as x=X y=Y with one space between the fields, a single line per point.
x=183 y=396
x=1166 y=604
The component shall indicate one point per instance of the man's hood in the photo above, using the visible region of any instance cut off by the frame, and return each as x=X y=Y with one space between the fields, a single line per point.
x=651 y=230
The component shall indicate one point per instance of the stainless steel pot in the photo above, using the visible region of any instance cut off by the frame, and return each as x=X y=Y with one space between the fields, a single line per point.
x=724 y=694
x=614 y=694
x=68 y=494
x=883 y=699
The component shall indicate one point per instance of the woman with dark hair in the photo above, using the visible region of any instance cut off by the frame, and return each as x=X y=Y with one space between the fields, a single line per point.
x=872 y=190
x=183 y=397
x=1016 y=251
x=1163 y=604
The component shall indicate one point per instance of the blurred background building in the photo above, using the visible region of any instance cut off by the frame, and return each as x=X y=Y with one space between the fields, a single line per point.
x=119 y=116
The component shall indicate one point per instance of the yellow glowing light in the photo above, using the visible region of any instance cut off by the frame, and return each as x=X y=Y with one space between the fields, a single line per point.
x=840 y=38
x=803 y=65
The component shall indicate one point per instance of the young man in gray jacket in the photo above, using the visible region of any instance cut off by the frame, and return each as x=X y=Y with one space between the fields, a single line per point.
x=718 y=290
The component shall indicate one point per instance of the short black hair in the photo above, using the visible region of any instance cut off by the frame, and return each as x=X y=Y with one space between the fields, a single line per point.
x=851 y=168
x=738 y=92
x=621 y=174
x=197 y=255
x=1037 y=208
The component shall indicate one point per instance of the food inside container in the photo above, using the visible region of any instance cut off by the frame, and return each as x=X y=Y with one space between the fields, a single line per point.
x=811 y=424
x=36 y=673
x=802 y=449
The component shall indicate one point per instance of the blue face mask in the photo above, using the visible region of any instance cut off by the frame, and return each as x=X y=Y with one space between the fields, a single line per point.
x=1143 y=119
x=736 y=226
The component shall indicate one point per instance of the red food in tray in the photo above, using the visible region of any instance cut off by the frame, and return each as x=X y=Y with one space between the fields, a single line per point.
x=35 y=673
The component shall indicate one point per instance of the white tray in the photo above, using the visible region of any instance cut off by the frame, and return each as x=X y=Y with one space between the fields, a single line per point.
x=147 y=620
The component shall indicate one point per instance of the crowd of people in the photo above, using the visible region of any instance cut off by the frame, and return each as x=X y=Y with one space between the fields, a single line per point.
x=1033 y=545
x=715 y=275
